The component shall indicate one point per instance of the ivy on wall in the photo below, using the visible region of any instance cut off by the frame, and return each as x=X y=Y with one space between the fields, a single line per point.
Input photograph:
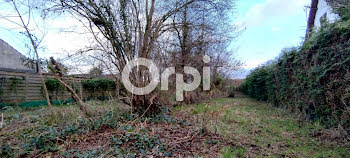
x=98 y=85
x=1 y=93
x=14 y=82
x=2 y=84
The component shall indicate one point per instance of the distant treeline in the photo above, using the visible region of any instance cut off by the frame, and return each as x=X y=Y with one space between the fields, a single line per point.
x=313 y=80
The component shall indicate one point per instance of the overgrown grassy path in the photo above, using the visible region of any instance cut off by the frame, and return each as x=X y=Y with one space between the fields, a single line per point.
x=255 y=129
x=226 y=127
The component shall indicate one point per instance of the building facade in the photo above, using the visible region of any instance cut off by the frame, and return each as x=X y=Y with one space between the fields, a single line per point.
x=11 y=59
x=324 y=9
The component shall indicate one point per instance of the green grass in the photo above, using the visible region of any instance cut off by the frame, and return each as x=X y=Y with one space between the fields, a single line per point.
x=230 y=152
x=251 y=128
x=258 y=130
x=33 y=130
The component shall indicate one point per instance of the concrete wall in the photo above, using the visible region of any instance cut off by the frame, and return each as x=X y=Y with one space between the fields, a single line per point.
x=324 y=8
x=10 y=58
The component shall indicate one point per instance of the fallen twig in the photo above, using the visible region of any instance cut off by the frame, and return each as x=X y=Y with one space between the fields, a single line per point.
x=150 y=104
x=182 y=140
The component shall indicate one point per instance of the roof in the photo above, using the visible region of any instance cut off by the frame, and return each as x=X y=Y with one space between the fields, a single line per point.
x=10 y=58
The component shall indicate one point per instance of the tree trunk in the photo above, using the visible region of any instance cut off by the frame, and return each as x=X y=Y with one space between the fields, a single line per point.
x=45 y=89
x=35 y=47
x=56 y=69
x=146 y=105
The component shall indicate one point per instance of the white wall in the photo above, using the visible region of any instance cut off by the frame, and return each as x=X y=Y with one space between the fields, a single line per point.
x=323 y=8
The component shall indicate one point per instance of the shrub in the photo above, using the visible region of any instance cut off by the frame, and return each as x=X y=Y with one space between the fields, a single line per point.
x=232 y=91
x=92 y=85
x=219 y=81
x=53 y=85
x=313 y=79
x=255 y=84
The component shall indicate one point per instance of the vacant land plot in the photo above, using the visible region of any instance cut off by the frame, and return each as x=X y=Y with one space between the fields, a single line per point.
x=226 y=127
x=254 y=129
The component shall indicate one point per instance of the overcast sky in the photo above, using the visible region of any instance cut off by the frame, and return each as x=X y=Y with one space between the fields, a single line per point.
x=271 y=25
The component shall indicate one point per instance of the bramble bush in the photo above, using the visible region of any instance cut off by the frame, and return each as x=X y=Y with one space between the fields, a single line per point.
x=313 y=79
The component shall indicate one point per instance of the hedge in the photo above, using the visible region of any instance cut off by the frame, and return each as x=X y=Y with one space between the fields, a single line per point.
x=93 y=85
x=53 y=85
x=313 y=79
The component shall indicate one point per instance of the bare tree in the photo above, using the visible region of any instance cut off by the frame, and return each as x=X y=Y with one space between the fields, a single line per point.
x=96 y=70
x=125 y=30
x=206 y=29
x=34 y=42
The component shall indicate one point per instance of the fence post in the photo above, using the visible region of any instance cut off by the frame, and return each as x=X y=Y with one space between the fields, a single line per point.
x=81 y=90
x=2 y=120
x=26 y=88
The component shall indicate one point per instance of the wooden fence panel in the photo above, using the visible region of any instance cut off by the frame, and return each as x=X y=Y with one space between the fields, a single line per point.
x=17 y=87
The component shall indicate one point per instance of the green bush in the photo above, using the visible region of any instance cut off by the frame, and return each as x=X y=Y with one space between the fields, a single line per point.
x=93 y=85
x=342 y=7
x=313 y=79
x=96 y=86
x=255 y=84
x=53 y=85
